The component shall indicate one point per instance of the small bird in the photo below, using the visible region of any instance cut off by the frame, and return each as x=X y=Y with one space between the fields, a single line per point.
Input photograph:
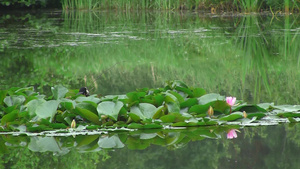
x=84 y=91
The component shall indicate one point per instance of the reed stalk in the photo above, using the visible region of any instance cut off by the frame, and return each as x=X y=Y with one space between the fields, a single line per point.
x=224 y=5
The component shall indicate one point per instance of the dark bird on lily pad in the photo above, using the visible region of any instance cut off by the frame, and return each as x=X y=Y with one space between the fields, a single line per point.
x=84 y=91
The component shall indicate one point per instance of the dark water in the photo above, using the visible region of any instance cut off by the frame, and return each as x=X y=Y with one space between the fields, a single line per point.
x=254 y=147
x=253 y=57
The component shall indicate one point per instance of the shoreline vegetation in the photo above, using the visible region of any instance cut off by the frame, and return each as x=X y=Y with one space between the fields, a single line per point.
x=214 y=6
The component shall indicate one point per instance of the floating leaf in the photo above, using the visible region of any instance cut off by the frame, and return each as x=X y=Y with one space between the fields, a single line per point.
x=198 y=92
x=232 y=117
x=2 y=95
x=168 y=118
x=184 y=90
x=152 y=126
x=158 y=99
x=88 y=105
x=178 y=96
x=288 y=108
x=58 y=126
x=33 y=104
x=179 y=124
x=144 y=110
x=68 y=105
x=135 y=126
x=189 y=103
x=47 y=109
x=210 y=98
x=221 y=106
x=135 y=96
x=258 y=115
x=173 y=107
x=288 y=114
x=10 y=117
x=170 y=98
x=14 y=100
x=199 y=109
x=110 y=108
x=266 y=106
x=160 y=112
x=134 y=117
x=59 y=91
x=88 y=115
x=91 y=98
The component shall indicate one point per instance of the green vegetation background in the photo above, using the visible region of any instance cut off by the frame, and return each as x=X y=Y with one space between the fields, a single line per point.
x=213 y=5
x=253 y=58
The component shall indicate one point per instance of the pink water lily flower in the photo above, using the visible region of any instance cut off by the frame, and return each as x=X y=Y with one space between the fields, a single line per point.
x=230 y=101
x=232 y=134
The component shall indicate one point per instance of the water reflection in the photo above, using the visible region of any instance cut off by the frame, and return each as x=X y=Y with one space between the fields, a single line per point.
x=261 y=147
x=252 y=57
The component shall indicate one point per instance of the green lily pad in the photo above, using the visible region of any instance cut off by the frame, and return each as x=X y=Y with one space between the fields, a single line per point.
x=258 y=115
x=199 y=109
x=14 y=100
x=189 y=103
x=168 y=118
x=2 y=95
x=210 y=98
x=88 y=115
x=33 y=104
x=173 y=107
x=144 y=110
x=198 y=92
x=232 y=116
x=9 y=117
x=135 y=126
x=160 y=112
x=47 y=109
x=134 y=117
x=288 y=108
x=59 y=92
x=110 y=108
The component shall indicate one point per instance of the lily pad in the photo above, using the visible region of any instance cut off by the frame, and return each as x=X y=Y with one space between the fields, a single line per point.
x=59 y=91
x=14 y=100
x=144 y=110
x=110 y=108
x=232 y=117
x=85 y=113
x=47 y=109
x=210 y=98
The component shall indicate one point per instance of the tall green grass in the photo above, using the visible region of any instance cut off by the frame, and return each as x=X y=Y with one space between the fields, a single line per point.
x=219 y=5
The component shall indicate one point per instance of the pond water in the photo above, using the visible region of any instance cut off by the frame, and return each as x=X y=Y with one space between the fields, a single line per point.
x=255 y=57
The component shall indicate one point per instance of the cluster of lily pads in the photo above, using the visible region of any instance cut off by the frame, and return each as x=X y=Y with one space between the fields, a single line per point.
x=175 y=105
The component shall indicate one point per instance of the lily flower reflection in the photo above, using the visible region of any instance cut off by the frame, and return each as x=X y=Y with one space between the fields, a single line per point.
x=232 y=134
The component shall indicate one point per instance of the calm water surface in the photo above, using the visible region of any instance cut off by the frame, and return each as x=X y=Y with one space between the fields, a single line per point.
x=253 y=57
